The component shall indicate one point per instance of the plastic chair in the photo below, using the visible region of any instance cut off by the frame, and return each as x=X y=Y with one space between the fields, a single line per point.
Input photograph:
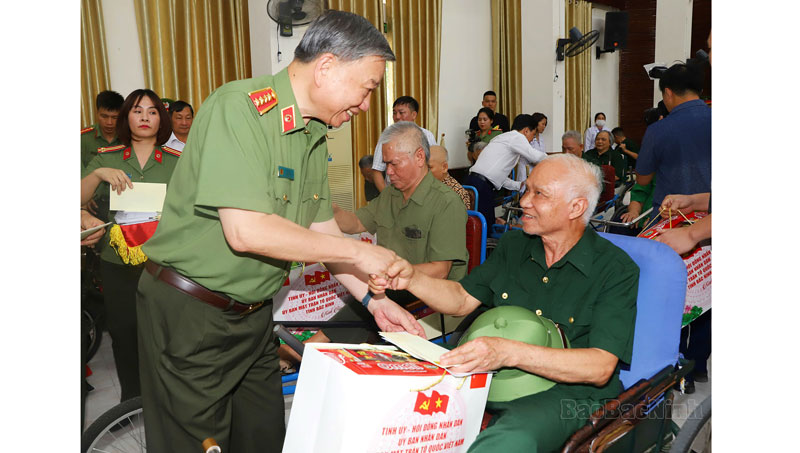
x=476 y=239
x=473 y=196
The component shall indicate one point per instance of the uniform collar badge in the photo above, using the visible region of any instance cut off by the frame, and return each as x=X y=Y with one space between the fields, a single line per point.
x=264 y=99
x=287 y=118
x=157 y=156
x=126 y=154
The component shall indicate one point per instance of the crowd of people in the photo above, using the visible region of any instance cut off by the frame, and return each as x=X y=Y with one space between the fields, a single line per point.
x=188 y=300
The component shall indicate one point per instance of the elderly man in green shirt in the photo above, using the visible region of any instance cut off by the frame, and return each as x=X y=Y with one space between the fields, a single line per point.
x=558 y=268
x=416 y=216
x=249 y=196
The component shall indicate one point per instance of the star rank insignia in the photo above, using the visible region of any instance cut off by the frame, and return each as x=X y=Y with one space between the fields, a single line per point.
x=287 y=118
x=264 y=99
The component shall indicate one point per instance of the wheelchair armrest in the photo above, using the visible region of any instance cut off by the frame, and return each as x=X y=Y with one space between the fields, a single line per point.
x=616 y=411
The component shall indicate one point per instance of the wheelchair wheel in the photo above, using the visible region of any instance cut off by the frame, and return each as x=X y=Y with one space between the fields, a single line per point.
x=118 y=430
x=695 y=435
x=93 y=333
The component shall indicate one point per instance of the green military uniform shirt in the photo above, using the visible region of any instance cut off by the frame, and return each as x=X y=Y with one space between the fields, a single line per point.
x=611 y=157
x=157 y=169
x=91 y=140
x=246 y=150
x=431 y=226
x=591 y=293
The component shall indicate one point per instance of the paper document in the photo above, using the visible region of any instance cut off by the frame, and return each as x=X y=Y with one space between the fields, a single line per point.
x=86 y=233
x=144 y=197
x=420 y=348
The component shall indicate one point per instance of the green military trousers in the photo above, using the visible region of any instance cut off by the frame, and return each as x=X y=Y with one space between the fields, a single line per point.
x=536 y=423
x=207 y=373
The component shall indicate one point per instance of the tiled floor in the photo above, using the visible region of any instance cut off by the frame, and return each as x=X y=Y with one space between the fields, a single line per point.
x=106 y=391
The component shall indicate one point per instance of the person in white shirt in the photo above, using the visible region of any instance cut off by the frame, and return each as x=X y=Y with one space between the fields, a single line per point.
x=524 y=167
x=405 y=108
x=182 y=115
x=491 y=170
x=591 y=133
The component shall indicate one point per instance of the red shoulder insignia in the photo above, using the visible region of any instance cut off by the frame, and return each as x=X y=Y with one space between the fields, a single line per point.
x=88 y=129
x=172 y=151
x=264 y=99
x=110 y=149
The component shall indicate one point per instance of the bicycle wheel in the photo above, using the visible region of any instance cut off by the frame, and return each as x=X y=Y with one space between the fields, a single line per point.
x=695 y=434
x=118 y=430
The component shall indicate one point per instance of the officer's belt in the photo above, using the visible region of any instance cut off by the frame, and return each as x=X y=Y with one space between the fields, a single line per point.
x=189 y=287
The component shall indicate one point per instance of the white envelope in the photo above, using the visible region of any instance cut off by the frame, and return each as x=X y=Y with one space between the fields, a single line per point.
x=144 y=197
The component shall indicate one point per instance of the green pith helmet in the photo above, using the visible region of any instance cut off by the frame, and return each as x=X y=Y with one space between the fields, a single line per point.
x=520 y=324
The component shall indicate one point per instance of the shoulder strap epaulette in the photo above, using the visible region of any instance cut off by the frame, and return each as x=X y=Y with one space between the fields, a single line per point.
x=87 y=129
x=172 y=151
x=263 y=99
x=110 y=149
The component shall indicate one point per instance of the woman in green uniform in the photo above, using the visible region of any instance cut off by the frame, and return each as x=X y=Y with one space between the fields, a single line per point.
x=143 y=126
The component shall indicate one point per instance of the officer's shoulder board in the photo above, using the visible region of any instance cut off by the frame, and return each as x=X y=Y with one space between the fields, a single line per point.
x=110 y=149
x=172 y=151
x=263 y=99
x=87 y=129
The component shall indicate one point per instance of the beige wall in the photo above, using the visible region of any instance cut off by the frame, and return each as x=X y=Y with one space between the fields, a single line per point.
x=673 y=34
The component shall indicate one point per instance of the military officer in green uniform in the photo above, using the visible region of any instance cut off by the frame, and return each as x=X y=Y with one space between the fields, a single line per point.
x=249 y=196
x=562 y=270
x=102 y=134
x=604 y=154
x=144 y=125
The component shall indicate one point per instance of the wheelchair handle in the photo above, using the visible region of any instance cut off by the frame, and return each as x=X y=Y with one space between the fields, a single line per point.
x=620 y=224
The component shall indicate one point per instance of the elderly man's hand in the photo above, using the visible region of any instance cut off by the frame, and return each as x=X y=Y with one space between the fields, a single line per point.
x=391 y=317
x=479 y=355
x=398 y=276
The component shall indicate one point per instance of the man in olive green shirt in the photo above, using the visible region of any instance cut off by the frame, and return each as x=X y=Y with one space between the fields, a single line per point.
x=416 y=216
x=104 y=133
x=562 y=270
x=249 y=196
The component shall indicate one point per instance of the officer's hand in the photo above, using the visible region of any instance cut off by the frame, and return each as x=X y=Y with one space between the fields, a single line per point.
x=391 y=317
x=373 y=259
x=90 y=221
x=116 y=178
x=679 y=239
x=479 y=355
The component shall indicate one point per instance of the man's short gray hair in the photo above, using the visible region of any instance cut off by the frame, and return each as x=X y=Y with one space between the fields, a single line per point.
x=575 y=135
x=585 y=180
x=407 y=137
x=348 y=36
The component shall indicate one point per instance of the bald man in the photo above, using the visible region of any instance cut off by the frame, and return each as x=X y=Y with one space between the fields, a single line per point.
x=437 y=164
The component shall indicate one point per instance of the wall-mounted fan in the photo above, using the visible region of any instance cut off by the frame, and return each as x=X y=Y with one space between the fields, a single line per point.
x=291 y=13
x=576 y=43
